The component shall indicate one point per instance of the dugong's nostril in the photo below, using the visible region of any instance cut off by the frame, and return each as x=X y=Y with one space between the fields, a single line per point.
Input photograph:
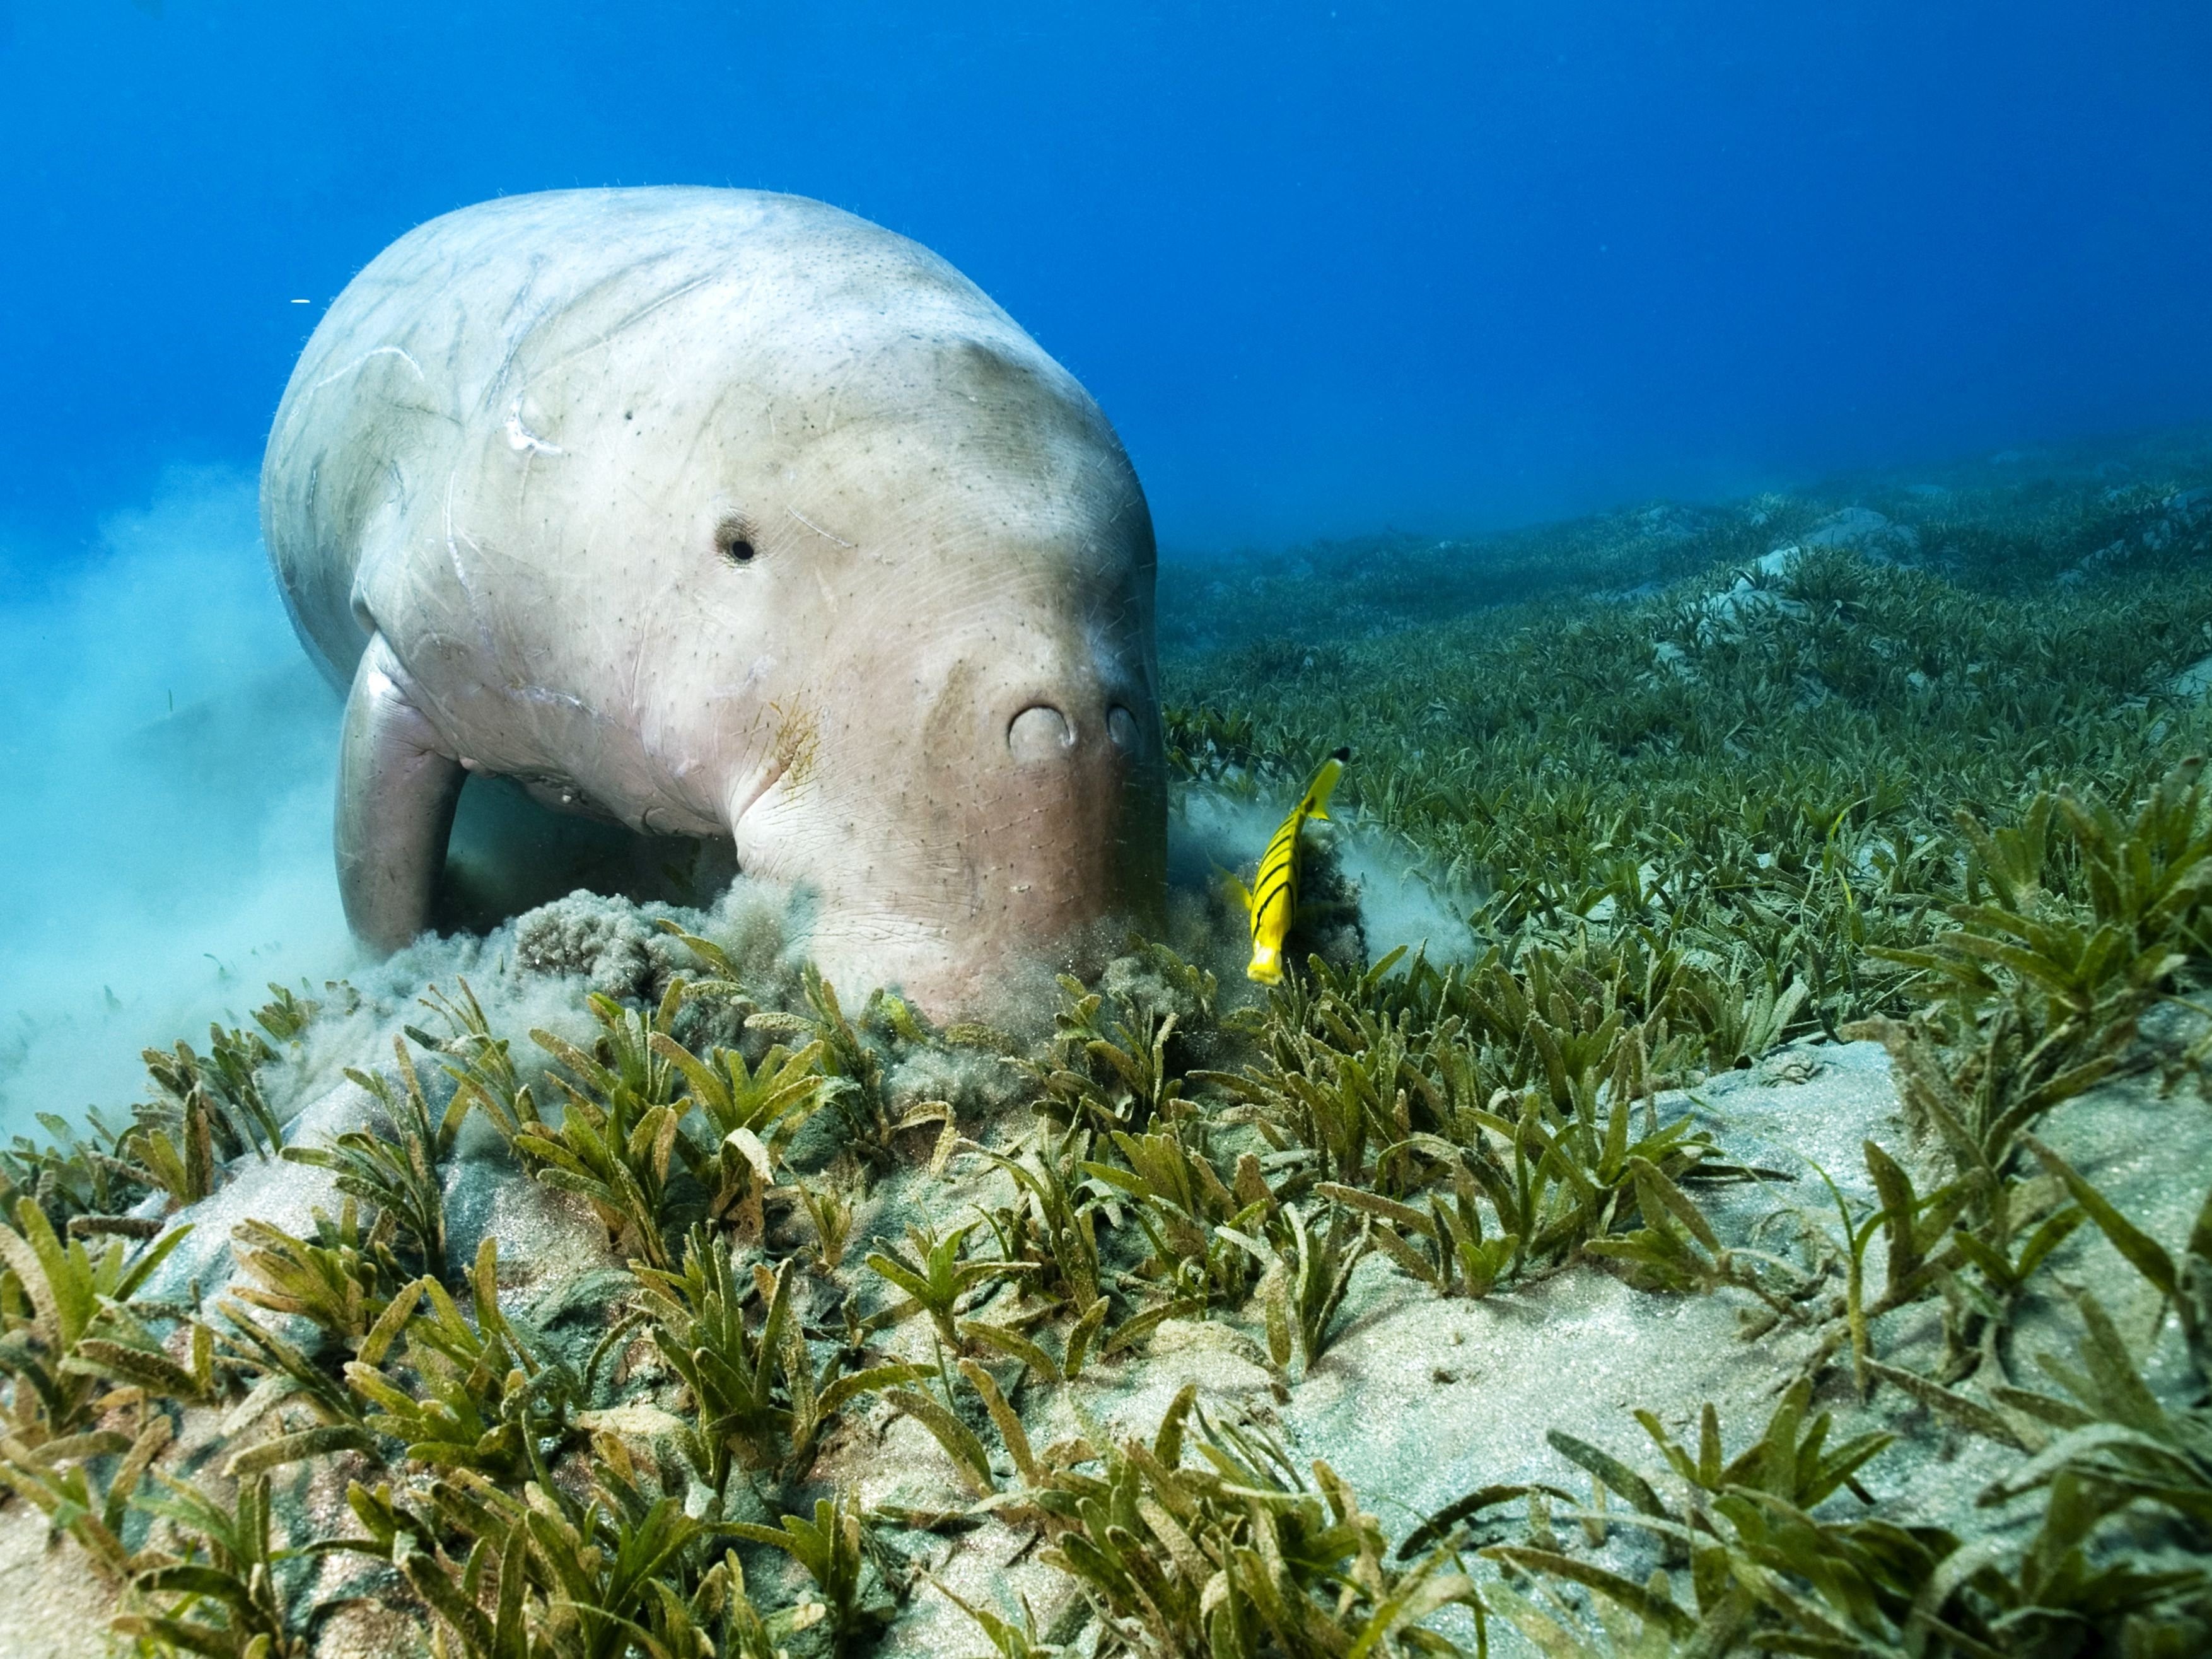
x=1121 y=727
x=1039 y=733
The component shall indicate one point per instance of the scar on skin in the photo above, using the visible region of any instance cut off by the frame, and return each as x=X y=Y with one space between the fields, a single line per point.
x=815 y=527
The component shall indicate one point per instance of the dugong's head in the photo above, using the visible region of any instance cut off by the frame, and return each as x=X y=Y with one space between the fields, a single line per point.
x=885 y=603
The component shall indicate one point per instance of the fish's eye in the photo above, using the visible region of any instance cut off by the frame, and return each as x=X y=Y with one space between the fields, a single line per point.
x=733 y=540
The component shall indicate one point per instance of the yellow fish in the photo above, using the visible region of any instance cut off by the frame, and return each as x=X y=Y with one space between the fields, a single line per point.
x=1272 y=901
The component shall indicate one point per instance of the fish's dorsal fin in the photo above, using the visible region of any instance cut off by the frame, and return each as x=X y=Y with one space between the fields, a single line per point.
x=1316 y=805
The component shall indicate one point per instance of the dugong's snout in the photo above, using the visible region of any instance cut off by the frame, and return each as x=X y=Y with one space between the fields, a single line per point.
x=1063 y=825
x=1079 y=825
x=1024 y=809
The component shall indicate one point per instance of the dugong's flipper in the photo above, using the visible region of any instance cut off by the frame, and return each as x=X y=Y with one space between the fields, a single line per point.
x=397 y=791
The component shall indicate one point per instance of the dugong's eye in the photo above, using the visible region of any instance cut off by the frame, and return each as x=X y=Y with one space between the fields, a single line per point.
x=733 y=539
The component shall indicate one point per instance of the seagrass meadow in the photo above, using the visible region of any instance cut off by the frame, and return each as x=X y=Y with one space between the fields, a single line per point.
x=1769 y=1214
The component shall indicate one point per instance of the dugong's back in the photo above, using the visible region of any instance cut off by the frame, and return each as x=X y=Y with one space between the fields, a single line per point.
x=427 y=351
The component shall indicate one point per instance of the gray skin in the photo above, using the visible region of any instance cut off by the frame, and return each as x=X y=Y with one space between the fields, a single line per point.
x=726 y=514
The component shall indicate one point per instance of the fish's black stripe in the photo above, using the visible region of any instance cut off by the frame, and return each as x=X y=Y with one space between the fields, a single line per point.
x=1286 y=890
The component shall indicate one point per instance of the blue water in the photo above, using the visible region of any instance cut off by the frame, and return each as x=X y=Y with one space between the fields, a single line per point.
x=1326 y=265
x=1330 y=268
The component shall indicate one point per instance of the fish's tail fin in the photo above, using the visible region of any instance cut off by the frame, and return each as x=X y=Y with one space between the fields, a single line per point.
x=1316 y=805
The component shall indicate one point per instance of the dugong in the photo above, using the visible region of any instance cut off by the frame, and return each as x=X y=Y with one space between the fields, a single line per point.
x=720 y=513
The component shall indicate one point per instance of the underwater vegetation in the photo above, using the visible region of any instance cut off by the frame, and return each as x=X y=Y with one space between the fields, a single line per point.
x=1760 y=760
x=1909 y=788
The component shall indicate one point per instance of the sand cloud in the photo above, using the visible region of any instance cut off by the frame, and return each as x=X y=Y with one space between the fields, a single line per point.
x=165 y=819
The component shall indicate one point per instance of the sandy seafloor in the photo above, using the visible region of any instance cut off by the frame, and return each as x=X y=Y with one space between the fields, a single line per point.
x=1418 y=1400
